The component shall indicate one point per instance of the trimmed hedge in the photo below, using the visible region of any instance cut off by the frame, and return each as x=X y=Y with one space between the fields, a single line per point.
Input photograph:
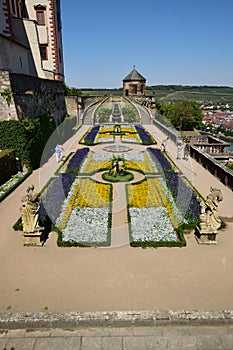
x=8 y=166
x=28 y=137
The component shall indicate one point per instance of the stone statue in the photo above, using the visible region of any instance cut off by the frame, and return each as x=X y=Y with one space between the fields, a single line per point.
x=209 y=219
x=29 y=211
x=118 y=166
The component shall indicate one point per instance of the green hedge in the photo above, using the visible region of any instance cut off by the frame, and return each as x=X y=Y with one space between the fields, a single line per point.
x=7 y=165
x=29 y=137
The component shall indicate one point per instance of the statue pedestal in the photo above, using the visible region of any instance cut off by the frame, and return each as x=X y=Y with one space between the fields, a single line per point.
x=205 y=237
x=32 y=239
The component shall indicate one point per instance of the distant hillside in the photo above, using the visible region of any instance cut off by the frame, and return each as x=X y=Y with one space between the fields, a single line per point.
x=175 y=93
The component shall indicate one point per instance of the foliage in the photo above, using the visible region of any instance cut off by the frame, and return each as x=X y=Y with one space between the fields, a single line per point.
x=14 y=135
x=7 y=94
x=72 y=91
x=184 y=115
x=12 y=184
x=38 y=130
x=28 y=137
x=125 y=177
x=130 y=114
x=230 y=166
x=104 y=114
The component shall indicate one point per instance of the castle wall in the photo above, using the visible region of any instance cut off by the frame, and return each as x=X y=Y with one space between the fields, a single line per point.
x=30 y=97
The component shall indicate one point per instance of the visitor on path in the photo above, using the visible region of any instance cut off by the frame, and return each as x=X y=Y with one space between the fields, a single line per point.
x=164 y=144
x=58 y=153
x=186 y=151
x=179 y=151
x=62 y=150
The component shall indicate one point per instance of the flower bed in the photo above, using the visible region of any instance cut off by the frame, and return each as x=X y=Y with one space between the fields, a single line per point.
x=53 y=196
x=85 y=218
x=129 y=133
x=156 y=217
x=165 y=164
x=141 y=161
x=144 y=135
x=95 y=162
x=89 y=138
x=12 y=183
x=76 y=161
x=130 y=138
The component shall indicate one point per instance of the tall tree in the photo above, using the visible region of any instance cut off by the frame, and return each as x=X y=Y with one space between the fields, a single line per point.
x=185 y=115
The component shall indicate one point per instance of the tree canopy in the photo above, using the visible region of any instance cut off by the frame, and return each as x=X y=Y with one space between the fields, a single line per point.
x=184 y=115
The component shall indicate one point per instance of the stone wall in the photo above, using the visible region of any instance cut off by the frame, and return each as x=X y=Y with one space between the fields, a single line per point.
x=31 y=97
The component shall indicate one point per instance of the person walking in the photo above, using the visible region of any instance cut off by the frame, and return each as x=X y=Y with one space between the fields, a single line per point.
x=62 y=150
x=186 y=151
x=179 y=151
x=164 y=144
x=58 y=153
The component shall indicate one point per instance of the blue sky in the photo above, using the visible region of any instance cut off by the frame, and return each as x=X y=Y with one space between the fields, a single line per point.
x=186 y=42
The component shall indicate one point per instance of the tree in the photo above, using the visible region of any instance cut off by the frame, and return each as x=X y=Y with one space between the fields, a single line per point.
x=185 y=115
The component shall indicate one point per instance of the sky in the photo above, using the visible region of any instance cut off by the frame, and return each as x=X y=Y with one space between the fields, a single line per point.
x=184 y=42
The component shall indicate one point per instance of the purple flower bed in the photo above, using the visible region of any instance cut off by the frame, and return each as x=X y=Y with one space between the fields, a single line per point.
x=185 y=197
x=76 y=161
x=144 y=135
x=51 y=202
x=159 y=157
x=91 y=135
x=186 y=200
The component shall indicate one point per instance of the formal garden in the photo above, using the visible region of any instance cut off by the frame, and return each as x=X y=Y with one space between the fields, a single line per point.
x=160 y=208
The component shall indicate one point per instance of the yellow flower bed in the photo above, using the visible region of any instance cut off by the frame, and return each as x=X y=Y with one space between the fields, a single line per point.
x=106 y=129
x=144 y=194
x=150 y=193
x=92 y=194
x=144 y=166
x=130 y=136
x=87 y=193
x=92 y=167
x=103 y=136
x=128 y=129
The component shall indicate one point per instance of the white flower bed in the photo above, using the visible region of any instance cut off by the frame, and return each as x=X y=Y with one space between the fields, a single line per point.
x=151 y=224
x=129 y=139
x=101 y=157
x=152 y=162
x=105 y=140
x=135 y=157
x=11 y=182
x=87 y=225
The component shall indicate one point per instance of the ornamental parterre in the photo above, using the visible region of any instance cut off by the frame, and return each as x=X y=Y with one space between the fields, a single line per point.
x=80 y=207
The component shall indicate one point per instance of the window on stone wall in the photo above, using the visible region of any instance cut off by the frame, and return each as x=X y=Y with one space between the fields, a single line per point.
x=20 y=8
x=44 y=52
x=40 y=17
x=13 y=9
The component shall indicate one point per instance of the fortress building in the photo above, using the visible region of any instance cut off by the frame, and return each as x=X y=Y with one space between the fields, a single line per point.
x=134 y=84
x=31 y=38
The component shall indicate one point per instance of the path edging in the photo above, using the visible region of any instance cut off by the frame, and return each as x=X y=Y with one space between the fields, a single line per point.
x=74 y=319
